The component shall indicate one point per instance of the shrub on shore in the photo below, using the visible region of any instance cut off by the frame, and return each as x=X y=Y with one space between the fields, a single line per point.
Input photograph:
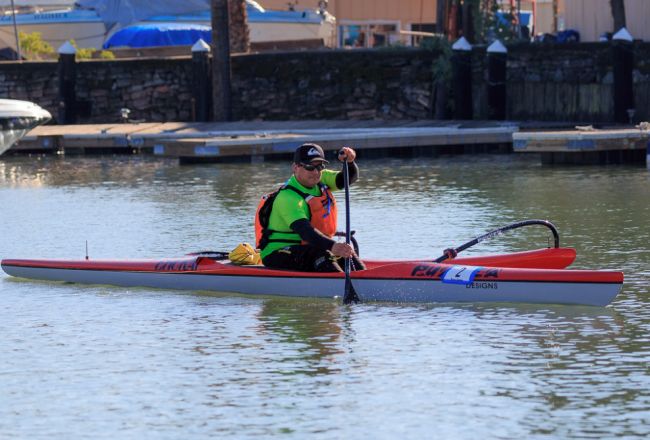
x=33 y=47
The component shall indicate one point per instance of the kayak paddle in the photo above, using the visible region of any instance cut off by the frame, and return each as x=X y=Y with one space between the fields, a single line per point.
x=349 y=296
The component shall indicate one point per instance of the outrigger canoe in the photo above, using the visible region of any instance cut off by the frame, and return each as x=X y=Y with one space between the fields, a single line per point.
x=538 y=276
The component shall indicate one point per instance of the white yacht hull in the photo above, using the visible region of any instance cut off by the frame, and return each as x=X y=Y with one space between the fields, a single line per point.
x=17 y=118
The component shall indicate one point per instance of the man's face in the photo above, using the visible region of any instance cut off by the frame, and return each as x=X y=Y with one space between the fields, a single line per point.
x=308 y=175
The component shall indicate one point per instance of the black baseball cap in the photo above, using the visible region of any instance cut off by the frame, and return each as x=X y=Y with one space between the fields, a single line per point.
x=307 y=153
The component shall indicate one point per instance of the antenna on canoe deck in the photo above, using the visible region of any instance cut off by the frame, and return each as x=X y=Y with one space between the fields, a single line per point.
x=86 y=249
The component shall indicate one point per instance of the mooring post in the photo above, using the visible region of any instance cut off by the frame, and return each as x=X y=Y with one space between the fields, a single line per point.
x=201 y=81
x=462 y=71
x=623 y=66
x=67 y=71
x=497 y=55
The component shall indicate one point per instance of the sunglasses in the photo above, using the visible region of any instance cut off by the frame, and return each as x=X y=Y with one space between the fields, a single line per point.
x=308 y=167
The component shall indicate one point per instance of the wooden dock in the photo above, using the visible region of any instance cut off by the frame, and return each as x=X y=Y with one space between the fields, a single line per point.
x=263 y=144
x=256 y=140
x=82 y=138
x=586 y=145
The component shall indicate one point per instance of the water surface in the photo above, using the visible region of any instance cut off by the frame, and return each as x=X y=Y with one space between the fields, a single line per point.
x=143 y=363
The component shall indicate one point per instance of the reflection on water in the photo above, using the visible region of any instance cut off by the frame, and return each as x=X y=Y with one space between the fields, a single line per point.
x=142 y=363
x=310 y=327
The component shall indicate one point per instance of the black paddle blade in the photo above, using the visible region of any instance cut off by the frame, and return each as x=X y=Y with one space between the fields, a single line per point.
x=350 y=296
x=213 y=255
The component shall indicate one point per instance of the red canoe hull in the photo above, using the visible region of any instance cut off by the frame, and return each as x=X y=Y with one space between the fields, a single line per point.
x=533 y=277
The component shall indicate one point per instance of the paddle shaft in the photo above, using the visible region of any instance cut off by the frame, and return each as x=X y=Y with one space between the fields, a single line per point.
x=503 y=229
x=349 y=295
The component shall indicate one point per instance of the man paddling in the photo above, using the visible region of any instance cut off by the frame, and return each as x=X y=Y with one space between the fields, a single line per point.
x=297 y=233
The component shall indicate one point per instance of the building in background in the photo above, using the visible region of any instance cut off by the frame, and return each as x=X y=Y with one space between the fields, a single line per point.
x=376 y=23
x=538 y=16
x=370 y=23
x=593 y=18
x=373 y=23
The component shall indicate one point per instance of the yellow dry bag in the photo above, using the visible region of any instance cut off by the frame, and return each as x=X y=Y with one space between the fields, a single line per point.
x=244 y=254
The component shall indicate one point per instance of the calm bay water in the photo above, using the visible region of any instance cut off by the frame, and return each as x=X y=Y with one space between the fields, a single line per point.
x=80 y=361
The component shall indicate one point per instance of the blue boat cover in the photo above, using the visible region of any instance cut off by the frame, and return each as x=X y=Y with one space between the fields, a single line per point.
x=159 y=34
x=126 y=12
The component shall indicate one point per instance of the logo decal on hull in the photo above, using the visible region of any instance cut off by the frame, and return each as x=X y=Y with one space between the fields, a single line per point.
x=482 y=285
x=175 y=266
x=460 y=274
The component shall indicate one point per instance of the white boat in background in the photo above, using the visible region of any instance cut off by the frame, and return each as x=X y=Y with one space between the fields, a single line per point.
x=267 y=25
x=56 y=27
x=17 y=118
x=90 y=22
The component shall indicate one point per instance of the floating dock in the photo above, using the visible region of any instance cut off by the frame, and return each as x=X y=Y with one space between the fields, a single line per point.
x=257 y=140
x=258 y=145
x=585 y=145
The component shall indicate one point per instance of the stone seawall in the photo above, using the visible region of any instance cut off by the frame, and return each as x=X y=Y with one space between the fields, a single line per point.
x=544 y=82
x=389 y=84
x=30 y=81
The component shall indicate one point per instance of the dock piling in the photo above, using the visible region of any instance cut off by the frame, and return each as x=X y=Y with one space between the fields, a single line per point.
x=623 y=66
x=67 y=72
x=201 y=87
x=497 y=56
x=462 y=69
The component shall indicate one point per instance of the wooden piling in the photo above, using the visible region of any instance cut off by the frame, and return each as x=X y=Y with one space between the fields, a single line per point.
x=201 y=84
x=497 y=55
x=462 y=72
x=67 y=71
